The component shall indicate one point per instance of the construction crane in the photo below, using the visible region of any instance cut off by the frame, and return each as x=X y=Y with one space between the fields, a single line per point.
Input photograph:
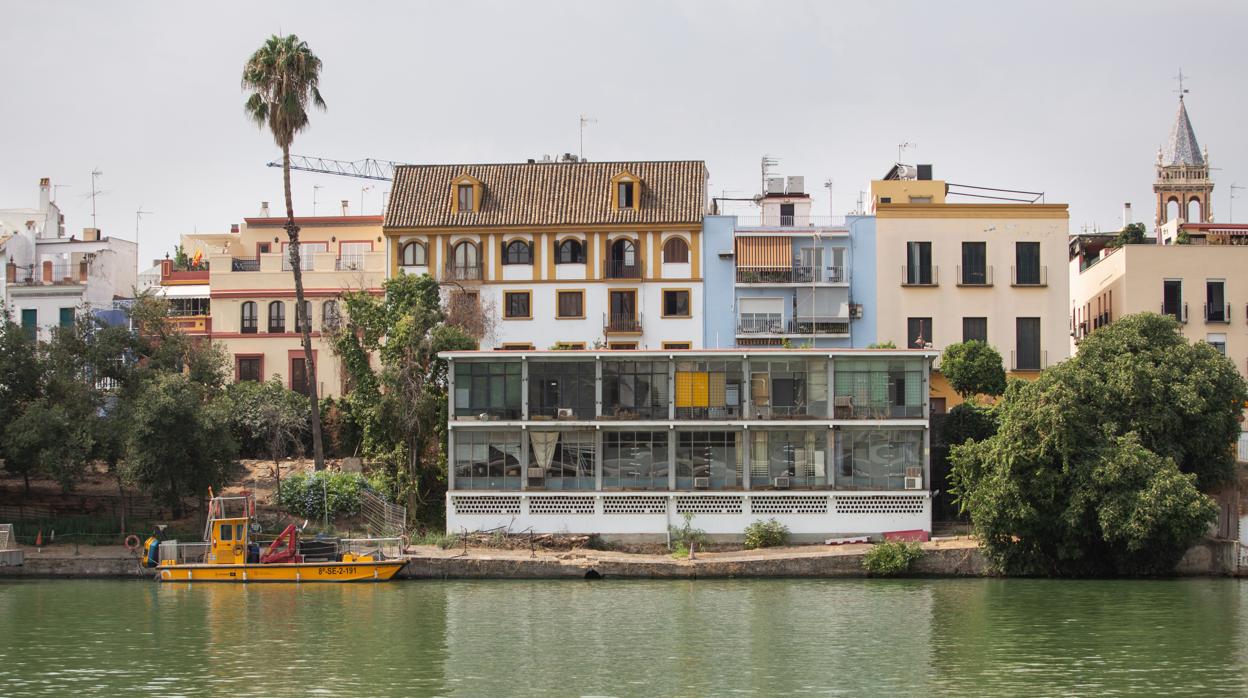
x=368 y=168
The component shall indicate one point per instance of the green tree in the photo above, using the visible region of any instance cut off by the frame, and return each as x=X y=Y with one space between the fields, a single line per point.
x=401 y=406
x=268 y=420
x=21 y=378
x=283 y=77
x=1097 y=466
x=1132 y=234
x=180 y=441
x=973 y=368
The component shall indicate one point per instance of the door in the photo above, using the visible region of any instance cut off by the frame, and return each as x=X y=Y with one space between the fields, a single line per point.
x=811 y=259
x=624 y=305
x=786 y=214
x=30 y=322
x=352 y=255
x=299 y=376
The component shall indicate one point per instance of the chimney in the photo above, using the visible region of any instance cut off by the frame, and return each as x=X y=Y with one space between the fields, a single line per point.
x=233 y=227
x=1126 y=215
x=345 y=210
x=166 y=268
x=45 y=193
x=264 y=209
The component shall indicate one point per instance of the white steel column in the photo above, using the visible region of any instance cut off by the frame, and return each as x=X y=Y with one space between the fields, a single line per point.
x=597 y=386
x=524 y=388
x=671 y=457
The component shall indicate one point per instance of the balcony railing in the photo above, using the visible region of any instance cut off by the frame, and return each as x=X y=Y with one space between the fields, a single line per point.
x=1217 y=312
x=794 y=221
x=616 y=269
x=1029 y=277
x=797 y=274
x=621 y=323
x=349 y=262
x=1178 y=313
x=464 y=272
x=1037 y=362
x=974 y=276
x=245 y=264
x=920 y=276
x=819 y=326
x=760 y=324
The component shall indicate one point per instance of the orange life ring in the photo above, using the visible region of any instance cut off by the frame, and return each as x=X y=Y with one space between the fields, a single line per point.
x=238 y=549
x=132 y=545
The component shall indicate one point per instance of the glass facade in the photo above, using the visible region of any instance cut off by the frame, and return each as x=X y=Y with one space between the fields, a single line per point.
x=765 y=422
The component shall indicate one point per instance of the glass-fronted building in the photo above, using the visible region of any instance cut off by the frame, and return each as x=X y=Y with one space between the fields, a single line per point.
x=624 y=443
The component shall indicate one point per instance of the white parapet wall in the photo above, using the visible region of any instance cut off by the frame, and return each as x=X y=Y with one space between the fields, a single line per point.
x=809 y=515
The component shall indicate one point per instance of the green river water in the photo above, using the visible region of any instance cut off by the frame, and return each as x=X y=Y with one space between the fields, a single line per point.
x=626 y=638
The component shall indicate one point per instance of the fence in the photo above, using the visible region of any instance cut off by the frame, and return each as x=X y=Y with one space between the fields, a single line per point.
x=1242 y=451
x=6 y=537
x=382 y=517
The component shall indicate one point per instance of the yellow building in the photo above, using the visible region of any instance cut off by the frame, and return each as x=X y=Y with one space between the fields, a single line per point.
x=252 y=291
x=951 y=272
x=569 y=253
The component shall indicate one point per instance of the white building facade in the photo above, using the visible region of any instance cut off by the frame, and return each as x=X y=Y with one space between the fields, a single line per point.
x=50 y=277
x=828 y=442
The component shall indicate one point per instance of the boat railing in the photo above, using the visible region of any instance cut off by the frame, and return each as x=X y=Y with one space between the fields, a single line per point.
x=184 y=553
x=387 y=547
x=227 y=508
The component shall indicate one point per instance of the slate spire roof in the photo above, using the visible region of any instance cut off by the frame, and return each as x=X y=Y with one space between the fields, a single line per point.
x=1181 y=148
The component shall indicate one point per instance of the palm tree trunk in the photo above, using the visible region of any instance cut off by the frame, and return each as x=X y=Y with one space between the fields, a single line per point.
x=305 y=329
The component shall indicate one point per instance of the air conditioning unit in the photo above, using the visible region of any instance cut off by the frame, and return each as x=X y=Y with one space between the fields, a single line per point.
x=775 y=185
x=566 y=413
x=855 y=311
x=914 y=478
x=780 y=483
x=701 y=483
x=797 y=185
x=537 y=474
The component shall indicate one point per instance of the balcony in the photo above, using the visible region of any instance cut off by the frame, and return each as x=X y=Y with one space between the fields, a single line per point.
x=920 y=276
x=1178 y=312
x=796 y=274
x=974 y=276
x=616 y=269
x=464 y=272
x=1035 y=276
x=278 y=265
x=244 y=264
x=48 y=274
x=1218 y=312
x=1029 y=361
x=773 y=324
x=191 y=324
x=776 y=220
x=616 y=323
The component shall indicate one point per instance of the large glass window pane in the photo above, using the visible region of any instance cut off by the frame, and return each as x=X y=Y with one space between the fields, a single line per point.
x=561 y=460
x=877 y=459
x=488 y=388
x=561 y=390
x=634 y=389
x=879 y=388
x=788 y=388
x=798 y=456
x=708 y=389
x=634 y=460
x=708 y=454
x=487 y=460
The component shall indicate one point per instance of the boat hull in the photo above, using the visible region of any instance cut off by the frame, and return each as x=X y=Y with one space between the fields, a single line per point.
x=315 y=572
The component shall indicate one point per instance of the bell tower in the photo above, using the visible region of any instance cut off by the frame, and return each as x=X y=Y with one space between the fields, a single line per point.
x=1183 y=172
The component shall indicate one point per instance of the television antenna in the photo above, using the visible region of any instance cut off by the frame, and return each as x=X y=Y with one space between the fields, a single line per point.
x=903 y=146
x=363 y=190
x=138 y=216
x=315 y=188
x=1230 y=214
x=1180 y=91
x=55 y=187
x=827 y=184
x=585 y=120
x=95 y=191
x=768 y=162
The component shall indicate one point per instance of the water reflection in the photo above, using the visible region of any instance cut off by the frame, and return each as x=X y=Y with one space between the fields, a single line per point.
x=763 y=637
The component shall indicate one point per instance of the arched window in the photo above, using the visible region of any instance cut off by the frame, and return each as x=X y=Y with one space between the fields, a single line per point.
x=413 y=255
x=465 y=261
x=249 y=317
x=304 y=318
x=1173 y=208
x=570 y=252
x=517 y=252
x=330 y=315
x=676 y=250
x=277 y=316
x=623 y=260
x=1193 y=210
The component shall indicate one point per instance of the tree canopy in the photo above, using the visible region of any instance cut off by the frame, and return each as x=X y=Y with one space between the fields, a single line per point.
x=1131 y=234
x=973 y=368
x=1096 y=467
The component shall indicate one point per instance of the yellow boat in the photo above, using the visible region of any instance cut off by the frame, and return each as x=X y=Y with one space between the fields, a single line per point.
x=228 y=553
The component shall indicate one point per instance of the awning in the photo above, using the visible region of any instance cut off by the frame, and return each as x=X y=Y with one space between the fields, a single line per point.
x=764 y=252
x=187 y=291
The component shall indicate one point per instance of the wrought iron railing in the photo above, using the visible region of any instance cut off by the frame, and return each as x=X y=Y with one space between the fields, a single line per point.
x=619 y=322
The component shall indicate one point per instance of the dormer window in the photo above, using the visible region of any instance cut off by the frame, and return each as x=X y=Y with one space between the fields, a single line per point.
x=625 y=191
x=466 y=194
x=517 y=252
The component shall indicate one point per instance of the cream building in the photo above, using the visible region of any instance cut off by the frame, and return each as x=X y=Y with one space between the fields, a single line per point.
x=950 y=272
x=562 y=254
x=251 y=289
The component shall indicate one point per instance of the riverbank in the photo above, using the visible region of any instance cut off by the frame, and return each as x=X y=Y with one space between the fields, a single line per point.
x=954 y=557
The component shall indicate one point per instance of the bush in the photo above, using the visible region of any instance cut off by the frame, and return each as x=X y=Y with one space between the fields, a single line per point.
x=306 y=495
x=267 y=417
x=973 y=368
x=766 y=534
x=967 y=421
x=685 y=537
x=439 y=538
x=891 y=558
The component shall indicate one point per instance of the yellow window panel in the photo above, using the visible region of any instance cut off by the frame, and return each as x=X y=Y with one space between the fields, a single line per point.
x=700 y=390
x=684 y=389
x=718 y=390
x=759 y=392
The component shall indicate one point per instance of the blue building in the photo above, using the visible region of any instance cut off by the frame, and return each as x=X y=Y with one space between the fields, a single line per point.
x=786 y=276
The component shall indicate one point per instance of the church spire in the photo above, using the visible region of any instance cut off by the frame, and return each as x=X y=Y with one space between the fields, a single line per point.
x=1182 y=173
x=1181 y=147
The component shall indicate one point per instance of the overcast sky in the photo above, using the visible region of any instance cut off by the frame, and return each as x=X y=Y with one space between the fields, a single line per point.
x=1072 y=99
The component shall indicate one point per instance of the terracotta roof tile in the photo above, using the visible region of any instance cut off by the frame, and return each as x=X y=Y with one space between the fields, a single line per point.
x=535 y=194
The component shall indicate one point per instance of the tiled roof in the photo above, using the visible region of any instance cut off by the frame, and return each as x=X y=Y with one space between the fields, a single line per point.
x=1181 y=147
x=556 y=193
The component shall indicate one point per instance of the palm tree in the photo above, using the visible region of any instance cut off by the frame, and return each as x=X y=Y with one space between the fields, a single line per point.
x=283 y=78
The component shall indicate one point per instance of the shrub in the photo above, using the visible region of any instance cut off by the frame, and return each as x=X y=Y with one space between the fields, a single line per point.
x=967 y=421
x=267 y=419
x=891 y=558
x=973 y=368
x=439 y=538
x=307 y=495
x=685 y=537
x=766 y=534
